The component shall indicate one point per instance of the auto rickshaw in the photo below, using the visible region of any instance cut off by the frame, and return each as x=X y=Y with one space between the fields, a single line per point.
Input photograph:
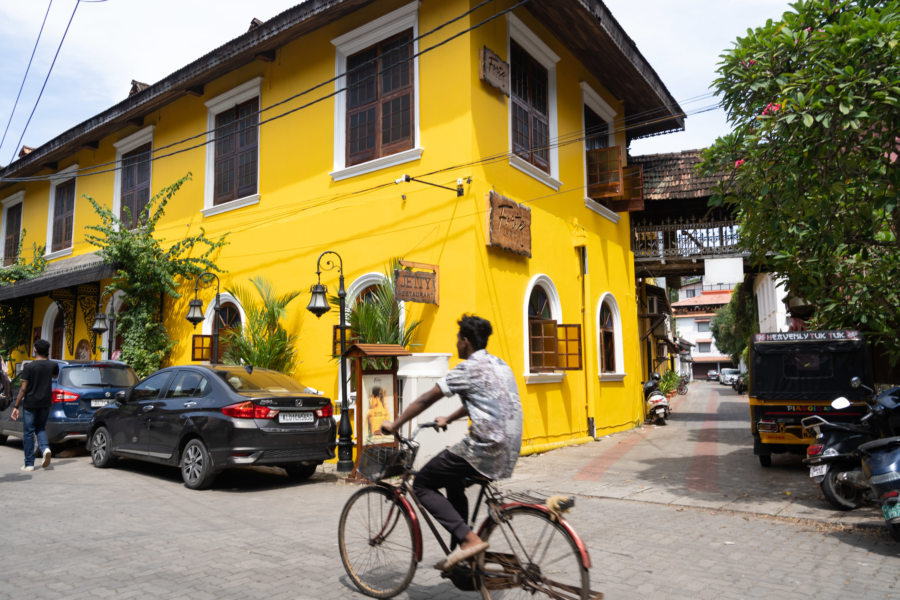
x=797 y=374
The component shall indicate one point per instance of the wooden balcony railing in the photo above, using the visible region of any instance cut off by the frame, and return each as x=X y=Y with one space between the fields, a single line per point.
x=685 y=238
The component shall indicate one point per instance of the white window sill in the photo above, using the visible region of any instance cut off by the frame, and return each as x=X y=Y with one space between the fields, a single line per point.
x=377 y=164
x=233 y=205
x=58 y=254
x=517 y=162
x=544 y=377
x=601 y=210
x=611 y=376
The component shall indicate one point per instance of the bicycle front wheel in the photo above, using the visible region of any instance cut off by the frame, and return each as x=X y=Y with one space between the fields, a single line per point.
x=530 y=553
x=375 y=536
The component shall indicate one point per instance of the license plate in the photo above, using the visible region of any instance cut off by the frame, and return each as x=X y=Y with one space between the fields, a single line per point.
x=891 y=511
x=296 y=417
x=99 y=403
x=818 y=470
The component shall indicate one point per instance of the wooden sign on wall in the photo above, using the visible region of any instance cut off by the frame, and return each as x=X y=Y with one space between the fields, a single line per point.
x=509 y=225
x=493 y=70
x=417 y=286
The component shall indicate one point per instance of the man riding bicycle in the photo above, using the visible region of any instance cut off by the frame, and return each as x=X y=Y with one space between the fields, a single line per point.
x=487 y=387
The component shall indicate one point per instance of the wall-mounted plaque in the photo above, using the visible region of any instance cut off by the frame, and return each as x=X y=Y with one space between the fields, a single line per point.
x=509 y=225
x=493 y=71
x=417 y=286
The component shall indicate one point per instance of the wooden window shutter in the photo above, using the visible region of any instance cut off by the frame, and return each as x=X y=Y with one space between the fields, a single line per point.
x=201 y=348
x=568 y=344
x=542 y=344
x=13 y=227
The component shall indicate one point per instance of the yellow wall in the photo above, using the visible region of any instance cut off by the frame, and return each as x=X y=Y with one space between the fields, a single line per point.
x=302 y=212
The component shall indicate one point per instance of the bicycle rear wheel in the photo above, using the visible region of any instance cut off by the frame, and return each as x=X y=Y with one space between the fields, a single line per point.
x=375 y=536
x=530 y=553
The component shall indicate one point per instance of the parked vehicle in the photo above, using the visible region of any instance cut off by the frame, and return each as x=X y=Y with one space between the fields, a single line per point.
x=712 y=375
x=80 y=388
x=727 y=376
x=205 y=419
x=683 y=385
x=657 y=403
x=740 y=383
x=794 y=375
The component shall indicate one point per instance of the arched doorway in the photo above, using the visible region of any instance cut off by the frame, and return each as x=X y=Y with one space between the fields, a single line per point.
x=57 y=336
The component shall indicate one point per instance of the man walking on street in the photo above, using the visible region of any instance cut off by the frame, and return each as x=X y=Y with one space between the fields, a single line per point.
x=34 y=398
x=487 y=387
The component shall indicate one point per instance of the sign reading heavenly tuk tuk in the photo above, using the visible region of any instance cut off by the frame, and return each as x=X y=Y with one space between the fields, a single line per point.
x=493 y=70
x=417 y=286
x=509 y=225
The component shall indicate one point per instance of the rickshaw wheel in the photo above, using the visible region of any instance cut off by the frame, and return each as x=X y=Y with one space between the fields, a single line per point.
x=895 y=531
x=765 y=460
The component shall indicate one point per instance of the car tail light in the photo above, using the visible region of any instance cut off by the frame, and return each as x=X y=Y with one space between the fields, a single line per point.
x=325 y=411
x=64 y=396
x=248 y=410
x=767 y=426
x=814 y=450
x=890 y=494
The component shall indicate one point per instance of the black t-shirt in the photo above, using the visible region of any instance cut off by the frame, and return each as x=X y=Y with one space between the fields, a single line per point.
x=39 y=374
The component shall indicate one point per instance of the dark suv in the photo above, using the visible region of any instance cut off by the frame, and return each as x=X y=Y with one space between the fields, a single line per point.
x=81 y=387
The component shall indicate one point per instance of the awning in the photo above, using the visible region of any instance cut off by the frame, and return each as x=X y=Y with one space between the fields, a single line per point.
x=85 y=268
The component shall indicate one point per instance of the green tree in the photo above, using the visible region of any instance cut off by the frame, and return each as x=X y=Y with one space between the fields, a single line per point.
x=15 y=314
x=736 y=322
x=814 y=104
x=262 y=341
x=147 y=273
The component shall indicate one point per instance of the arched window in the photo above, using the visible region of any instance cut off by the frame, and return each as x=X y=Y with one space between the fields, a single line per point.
x=231 y=316
x=609 y=337
x=56 y=343
x=551 y=345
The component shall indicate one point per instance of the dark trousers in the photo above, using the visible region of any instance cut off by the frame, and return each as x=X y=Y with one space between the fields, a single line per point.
x=448 y=471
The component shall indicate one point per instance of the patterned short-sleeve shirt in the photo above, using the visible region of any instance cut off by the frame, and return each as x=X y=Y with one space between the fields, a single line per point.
x=488 y=390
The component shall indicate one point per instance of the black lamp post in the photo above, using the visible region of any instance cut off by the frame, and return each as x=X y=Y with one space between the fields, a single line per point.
x=195 y=312
x=318 y=305
x=101 y=325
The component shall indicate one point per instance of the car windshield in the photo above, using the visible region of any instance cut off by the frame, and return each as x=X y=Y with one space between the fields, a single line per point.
x=97 y=376
x=262 y=381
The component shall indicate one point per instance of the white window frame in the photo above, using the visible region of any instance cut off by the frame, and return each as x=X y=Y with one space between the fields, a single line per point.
x=350 y=43
x=539 y=51
x=8 y=203
x=123 y=147
x=619 y=356
x=592 y=100
x=57 y=179
x=50 y=315
x=209 y=315
x=543 y=281
x=214 y=106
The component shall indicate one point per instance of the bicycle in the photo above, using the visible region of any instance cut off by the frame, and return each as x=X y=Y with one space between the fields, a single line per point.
x=532 y=548
x=683 y=385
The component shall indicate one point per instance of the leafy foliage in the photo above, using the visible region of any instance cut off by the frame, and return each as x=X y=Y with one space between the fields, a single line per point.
x=24 y=269
x=736 y=322
x=146 y=273
x=15 y=315
x=669 y=381
x=262 y=341
x=814 y=101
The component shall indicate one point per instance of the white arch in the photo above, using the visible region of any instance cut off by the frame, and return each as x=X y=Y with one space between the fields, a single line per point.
x=610 y=300
x=360 y=284
x=47 y=326
x=545 y=283
x=209 y=315
x=113 y=306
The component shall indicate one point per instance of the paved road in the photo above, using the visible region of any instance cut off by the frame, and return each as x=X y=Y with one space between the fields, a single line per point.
x=682 y=511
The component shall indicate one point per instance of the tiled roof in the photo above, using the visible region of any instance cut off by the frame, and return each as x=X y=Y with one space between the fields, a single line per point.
x=717 y=297
x=671 y=176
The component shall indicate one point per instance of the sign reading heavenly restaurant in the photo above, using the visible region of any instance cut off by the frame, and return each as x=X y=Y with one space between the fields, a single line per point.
x=493 y=71
x=417 y=286
x=509 y=226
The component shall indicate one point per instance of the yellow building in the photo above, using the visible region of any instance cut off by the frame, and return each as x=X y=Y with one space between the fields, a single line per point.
x=485 y=141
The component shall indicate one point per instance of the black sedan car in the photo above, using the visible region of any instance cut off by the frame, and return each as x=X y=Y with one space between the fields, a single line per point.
x=205 y=419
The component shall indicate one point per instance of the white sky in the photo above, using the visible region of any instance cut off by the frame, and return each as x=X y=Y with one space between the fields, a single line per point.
x=111 y=42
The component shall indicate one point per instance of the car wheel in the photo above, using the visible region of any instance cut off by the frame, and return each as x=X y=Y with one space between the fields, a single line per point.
x=101 y=448
x=300 y=472
x=196 y=466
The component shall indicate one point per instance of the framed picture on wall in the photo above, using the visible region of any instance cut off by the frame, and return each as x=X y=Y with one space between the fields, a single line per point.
x=378 y=405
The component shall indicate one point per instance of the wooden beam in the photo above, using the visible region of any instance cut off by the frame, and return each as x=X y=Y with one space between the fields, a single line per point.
x=91 y=145
x=267 y=56
x=196 y=90
x=137 y=122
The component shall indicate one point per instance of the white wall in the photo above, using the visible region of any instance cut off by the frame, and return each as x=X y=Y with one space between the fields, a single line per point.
x=727 y=271
x=769 y=294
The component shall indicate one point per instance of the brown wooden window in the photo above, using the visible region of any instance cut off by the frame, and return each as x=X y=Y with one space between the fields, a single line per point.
x=229 y=320
x=237 y=143
x=607 y=340
x=201 y=348
x=63 y=216
x=551 y=346
x=529 y=104
x=380 y=99
x=135 y=192
x=13 y=229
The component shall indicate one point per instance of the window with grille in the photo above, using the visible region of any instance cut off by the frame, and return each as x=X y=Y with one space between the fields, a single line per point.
x=529 y=92
x=13 y=226
x=63 y=216
x=135 y=189
x=236 y=152
x=379 y=99
x=551 y=346
x=607 y=332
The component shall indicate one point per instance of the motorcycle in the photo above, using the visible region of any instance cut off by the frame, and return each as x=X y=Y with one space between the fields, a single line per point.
x=834 y=462
x=657 y=403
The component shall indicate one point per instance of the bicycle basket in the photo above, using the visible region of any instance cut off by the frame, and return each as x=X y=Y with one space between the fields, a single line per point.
x=381 y=462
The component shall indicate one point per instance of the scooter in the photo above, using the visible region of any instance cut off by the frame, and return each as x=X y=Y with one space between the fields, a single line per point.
x=834 y=461
x=657 y=403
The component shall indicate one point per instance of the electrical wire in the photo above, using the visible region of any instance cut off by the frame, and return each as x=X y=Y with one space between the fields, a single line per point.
x=47 y=78
x=25 y=77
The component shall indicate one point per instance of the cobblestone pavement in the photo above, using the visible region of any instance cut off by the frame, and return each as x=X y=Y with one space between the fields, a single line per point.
x=682 y=511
